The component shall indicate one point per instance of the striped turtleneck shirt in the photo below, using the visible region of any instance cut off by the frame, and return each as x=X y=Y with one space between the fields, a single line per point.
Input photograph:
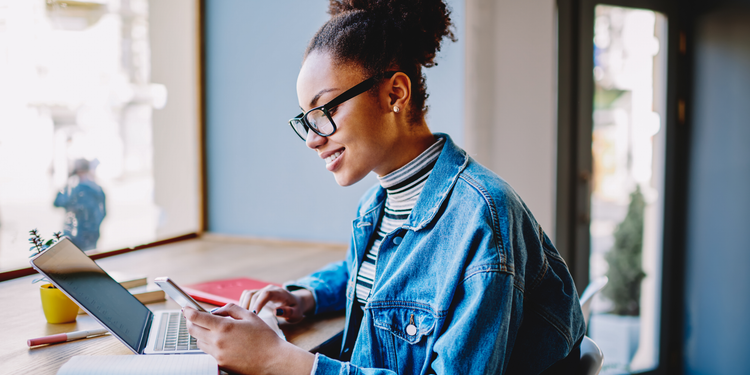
x=403 y=187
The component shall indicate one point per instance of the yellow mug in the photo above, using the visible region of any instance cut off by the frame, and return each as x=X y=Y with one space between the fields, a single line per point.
x=58 y=308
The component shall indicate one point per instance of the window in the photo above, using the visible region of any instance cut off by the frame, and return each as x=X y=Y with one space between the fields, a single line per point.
x=99 y=123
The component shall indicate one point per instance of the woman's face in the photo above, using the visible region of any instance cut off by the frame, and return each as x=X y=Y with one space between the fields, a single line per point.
x=366 y=128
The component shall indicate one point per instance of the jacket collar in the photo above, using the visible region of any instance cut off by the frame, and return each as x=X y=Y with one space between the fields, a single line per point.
x=450 y=164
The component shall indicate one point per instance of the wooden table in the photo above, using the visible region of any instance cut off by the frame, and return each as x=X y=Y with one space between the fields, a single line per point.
x=193 y=261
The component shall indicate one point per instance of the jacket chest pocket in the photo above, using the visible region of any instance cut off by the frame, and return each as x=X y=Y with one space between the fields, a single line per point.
x=406 y=335
x=407 y=324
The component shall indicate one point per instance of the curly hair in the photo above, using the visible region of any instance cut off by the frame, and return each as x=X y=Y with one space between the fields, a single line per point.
x=383 y=35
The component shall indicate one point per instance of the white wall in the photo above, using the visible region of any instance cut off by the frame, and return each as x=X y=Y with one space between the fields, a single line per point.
x=510 y=115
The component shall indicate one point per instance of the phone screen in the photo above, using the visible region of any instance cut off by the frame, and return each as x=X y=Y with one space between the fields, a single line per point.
x=177 y=294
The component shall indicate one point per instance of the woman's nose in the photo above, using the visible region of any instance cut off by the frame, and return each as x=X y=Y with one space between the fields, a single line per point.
x=314 y=141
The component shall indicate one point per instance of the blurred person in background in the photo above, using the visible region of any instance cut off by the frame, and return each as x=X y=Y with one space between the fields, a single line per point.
x=84 y=203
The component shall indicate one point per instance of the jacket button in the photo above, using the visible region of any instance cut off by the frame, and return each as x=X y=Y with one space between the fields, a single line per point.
x=397 y=240
x=411 y=330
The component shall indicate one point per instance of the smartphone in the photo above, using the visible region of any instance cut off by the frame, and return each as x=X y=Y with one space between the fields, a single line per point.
x=177 y=294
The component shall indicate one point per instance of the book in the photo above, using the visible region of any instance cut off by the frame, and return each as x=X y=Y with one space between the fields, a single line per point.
x=194 y=364
x=128 y=280
x=148 y=293
x=221 y=292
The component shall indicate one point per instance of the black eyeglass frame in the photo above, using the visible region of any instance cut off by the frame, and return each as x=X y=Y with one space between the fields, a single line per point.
x=344 y=96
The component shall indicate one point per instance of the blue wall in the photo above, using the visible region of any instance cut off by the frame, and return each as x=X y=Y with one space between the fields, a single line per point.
x=717 y=332
x=262 y=180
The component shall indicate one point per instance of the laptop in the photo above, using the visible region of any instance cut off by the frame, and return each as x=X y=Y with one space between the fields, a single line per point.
x=140 y=329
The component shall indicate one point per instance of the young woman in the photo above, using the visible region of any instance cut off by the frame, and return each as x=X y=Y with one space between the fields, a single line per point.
x=447 y=272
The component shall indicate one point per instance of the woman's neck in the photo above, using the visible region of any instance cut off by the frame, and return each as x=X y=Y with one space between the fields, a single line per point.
x=408 y=147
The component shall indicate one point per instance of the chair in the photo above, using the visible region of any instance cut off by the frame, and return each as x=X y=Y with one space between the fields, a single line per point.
x=588 y=295
x=591 y=357
x=585 y=358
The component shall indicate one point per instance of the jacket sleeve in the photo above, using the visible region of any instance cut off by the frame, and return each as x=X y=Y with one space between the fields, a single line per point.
x=328 y=286
x=61 y=200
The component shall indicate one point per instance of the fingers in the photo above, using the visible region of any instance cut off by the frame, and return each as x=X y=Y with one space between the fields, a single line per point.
x=258 y=300
x=200 y=333
x=281 y=312
x=287 y=305
x=202 y=319
x=270 y=293
x=236 y=312
x=245 y=298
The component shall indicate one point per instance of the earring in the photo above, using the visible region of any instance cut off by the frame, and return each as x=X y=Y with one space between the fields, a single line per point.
x=396 y=109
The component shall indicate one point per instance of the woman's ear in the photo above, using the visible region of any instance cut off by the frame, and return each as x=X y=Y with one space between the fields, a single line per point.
x=399 y=91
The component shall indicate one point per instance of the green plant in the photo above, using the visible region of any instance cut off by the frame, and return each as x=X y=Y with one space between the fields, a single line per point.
x=40 y=245
x=625 y=260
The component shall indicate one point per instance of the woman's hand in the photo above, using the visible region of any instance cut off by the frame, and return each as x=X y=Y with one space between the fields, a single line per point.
x=242 y=343
x=291 y=306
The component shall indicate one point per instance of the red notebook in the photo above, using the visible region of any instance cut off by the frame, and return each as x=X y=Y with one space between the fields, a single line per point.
x=221 y=292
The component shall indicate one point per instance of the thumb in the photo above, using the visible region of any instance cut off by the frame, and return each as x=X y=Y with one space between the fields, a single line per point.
x=284 y=311
x=291 y=314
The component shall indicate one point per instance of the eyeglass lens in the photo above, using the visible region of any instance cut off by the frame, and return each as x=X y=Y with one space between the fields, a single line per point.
x=317 y=119
x=299 y=127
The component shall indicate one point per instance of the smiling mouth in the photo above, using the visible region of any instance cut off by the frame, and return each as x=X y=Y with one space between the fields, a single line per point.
x=333 y=157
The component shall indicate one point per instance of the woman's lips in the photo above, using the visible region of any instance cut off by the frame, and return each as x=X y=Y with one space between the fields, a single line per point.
x=334 y=160
x=333 y=157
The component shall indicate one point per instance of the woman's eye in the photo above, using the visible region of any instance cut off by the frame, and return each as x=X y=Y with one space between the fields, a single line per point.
x=333 y=110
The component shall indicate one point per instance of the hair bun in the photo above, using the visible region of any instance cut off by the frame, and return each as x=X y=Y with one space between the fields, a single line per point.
x=421 y=24
x=340 y=6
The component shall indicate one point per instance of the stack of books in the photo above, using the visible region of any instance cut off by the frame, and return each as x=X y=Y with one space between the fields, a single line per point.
x=138 y=286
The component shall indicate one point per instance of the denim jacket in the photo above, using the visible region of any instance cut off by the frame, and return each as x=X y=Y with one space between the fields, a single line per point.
x=470 y=284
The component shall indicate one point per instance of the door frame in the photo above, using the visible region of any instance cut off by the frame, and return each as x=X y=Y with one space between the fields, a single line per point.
x=574 y=163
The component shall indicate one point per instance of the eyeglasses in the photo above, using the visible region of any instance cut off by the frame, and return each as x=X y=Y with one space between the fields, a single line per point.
x=319 y=118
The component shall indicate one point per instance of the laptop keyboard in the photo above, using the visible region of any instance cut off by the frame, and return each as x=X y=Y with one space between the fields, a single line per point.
x=177 y=336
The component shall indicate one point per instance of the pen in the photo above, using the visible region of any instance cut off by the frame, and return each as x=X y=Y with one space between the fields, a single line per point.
x=63 y=337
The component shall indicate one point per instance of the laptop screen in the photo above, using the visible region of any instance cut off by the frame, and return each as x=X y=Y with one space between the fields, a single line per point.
x=79 y=276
